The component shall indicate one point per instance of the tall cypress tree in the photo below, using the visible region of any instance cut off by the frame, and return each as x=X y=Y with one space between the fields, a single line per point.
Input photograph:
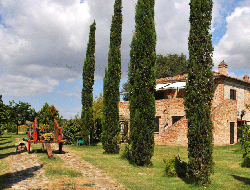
x=87 y=90
x=199 y=91
x=110 y=122
x=142 y=81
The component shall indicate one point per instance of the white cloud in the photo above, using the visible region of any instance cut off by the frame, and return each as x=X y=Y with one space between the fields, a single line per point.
x=70 y=113
x=76 y=93
x=22 y=86
x=43 y=36
x=232 y=74
x=234 y=45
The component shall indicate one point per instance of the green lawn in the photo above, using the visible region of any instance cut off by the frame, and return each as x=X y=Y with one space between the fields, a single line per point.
x=228 y=172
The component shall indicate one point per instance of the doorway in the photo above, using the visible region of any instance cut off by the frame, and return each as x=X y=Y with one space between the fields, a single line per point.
x=231 y=132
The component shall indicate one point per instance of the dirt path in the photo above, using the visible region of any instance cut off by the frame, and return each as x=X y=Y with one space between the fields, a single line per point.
x=99 y=178
x=29 y=172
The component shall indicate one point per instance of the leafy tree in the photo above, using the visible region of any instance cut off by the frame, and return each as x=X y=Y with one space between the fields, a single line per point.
x=170 y=65
x=71 y=130
x=199 y=91
x=87 y=90
x=97 y=115
x=20 y=112
x=110 y=123
x=48 y=113
x=166 y=66
x=3 y=116
x=142 y=79
x=125 y=91
x=97 y=107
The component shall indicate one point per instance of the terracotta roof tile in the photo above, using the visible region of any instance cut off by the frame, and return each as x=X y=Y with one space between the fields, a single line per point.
x=182 y=77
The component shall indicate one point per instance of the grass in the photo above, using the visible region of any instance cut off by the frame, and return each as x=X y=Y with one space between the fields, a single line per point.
x=228 y=172
x=7 y=150
x=60 y=174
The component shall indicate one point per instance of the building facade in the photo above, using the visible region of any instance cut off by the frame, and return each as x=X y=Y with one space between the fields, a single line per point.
x=230 y=97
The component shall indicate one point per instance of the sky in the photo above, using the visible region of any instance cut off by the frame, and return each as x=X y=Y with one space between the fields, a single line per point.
x=43 y=45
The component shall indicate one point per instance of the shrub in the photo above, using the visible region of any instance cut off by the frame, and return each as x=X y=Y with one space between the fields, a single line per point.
x=11 y=127
x=246 y=139
x=1 y=131
x=71 y=129
x=176 y=167
x=246 y=161
x=127 y=153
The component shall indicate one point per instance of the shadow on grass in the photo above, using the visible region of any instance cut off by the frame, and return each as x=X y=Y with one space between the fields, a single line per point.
x=10 y=153
x=9 y=179
x=7 y=147
x=3 y=138
x=5 y=142
x=243 y=179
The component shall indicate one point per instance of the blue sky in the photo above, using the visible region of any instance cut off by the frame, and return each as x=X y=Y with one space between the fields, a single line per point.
x=43 y=44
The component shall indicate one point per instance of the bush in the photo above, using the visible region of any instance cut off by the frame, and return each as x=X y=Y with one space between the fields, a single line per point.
x=127 y=153
x=70 y=131
x=1 y=131
x=246 y=139
x=11 y=128
x=175 y=167
x=246 y=161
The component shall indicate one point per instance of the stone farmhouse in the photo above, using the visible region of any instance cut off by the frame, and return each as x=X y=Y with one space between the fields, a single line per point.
x=230 y=97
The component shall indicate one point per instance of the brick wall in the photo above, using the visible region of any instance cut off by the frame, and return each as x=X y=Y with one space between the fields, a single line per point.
x=239 y=93
x=218 y=93
x=221 y=117
x=167 y=108
x=225 y=112
x=175 y=135
x=247 y=101
x=123 y=108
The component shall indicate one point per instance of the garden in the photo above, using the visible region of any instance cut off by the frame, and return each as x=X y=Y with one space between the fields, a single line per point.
x=228 y=172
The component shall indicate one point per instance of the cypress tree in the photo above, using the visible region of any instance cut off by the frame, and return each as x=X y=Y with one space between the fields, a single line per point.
x=142 y=79
x=110 y=122
x=87 y=90
x=199 y=91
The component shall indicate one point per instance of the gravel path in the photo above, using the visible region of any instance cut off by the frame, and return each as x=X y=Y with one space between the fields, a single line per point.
x=99 y=178
x=28 y=172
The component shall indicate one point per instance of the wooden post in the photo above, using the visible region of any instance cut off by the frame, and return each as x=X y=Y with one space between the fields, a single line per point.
x=29 y=147
x=60 y=147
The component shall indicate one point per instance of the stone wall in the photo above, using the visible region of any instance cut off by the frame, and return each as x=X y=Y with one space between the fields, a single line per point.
x=221 y=117
x=247 y=101
x=123 y=108
x=240 y=98
x=175 y=135
x=218 y=93
x=223 y=112
x=166 y=108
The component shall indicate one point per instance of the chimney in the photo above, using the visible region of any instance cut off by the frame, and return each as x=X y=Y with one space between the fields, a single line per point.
x=246 y=78
x=222 y=68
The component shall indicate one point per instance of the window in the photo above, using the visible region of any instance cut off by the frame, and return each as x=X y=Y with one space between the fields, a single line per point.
x=157 y=124
x=159 y=95
x=232 y=94
x=176 y=118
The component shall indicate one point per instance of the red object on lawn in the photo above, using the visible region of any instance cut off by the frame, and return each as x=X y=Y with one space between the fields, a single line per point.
x=33 y=135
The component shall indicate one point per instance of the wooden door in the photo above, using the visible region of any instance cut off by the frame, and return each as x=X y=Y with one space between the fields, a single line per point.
x=231 y=132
